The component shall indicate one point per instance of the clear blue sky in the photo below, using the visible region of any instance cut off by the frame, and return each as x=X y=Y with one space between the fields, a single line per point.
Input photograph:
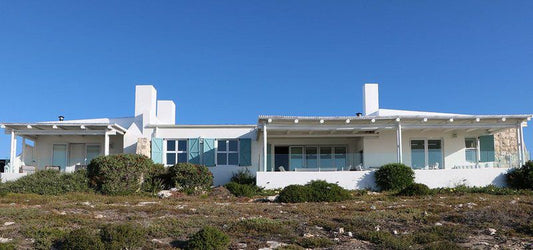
x=229 y=61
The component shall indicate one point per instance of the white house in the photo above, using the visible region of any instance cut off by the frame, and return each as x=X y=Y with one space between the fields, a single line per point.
x=444 y=149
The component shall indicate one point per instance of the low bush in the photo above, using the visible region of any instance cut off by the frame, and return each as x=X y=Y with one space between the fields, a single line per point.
x=119 y=174
x=49 y=182
x=81 y=239
x=490 y=189
x=242 y=190
x=156 y=179
x=209 y=238
x=123 y=236
x=294 y=194
x=394 y=176
x=244 y=177
x=316 y=242
x=190 y=178
x=415 y=189
x=45 y=237
x=314 y=191
x=324 y=191
x=521 y=178
x=7 y=246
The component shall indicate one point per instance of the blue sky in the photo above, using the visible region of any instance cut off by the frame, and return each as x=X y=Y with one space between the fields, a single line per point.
x=230 y=61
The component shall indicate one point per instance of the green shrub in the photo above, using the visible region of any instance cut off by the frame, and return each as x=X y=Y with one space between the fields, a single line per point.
x=244 y=177
x=49 y=182
x=521 y=178
x=415 y=189
x=314 y=191
x=119 y=174
x=156 y=179
x=316 y=242
x=242 y=190
x=294 y=194
x=190 y=178
x=7 y=246
x=394 y=176
x=490 y=189
x=209 y=238
x=81 y=239
x=123 y=236
x=44 y=237
x=324 y=191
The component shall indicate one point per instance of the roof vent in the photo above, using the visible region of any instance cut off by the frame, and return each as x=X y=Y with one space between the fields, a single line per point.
x=61 y=118
x=359 y=114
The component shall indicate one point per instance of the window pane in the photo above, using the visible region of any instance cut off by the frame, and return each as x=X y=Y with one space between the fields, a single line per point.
x=221 y=159
x=182 y=145
x=435 y=154
x=340 y=158
x=171 y=158
x=296 y=158
x=311 y=157
x=233 y=145
x=182 y=157
x=471 y=155
x=92 y=152
x=470 y=143
x=171 y=145
x=418 y=155
x=233 y=159
x=326 y=160
x=221 y=145
x=59 y=155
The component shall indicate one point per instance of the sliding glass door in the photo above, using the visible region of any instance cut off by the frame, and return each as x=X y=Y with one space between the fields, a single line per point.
x=426 y=154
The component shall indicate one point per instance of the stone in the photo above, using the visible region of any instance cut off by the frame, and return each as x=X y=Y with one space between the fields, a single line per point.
x=164 y=194
x=341 y=230
x=9 y=223
x=395 y=232
x=438 y=224
x=5 y=240
x=308 y=235
x=241 y=245
x=491 y=231
x=143 y=147
x=272 y=198
x=98 y=216
x=144 y=203
x=350 y=234
x=377 y=228
x=373 y=207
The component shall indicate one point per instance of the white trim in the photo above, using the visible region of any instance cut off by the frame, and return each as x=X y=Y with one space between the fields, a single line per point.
x=426 y=150
x=265 y=152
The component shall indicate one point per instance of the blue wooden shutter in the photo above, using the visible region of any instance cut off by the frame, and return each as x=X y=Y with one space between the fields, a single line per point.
x=486 y=148
x=208 y=152
x=194 y=151
x=245 y=152
x=157 y=150
x=269 y=157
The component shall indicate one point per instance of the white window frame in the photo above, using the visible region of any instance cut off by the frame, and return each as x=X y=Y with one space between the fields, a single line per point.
x=476 y=148
x=318 y=147
x=227 y=151
x=426 y=150
x=176 y=151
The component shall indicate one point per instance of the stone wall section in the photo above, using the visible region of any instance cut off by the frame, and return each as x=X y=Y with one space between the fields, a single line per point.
x=143 y=147
x=506 y=147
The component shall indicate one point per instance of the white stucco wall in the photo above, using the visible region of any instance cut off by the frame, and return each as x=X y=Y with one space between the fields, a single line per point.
x=365 y=179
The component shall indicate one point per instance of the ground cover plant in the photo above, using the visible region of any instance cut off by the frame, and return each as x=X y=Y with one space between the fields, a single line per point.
x=314 y=191
x=394 y=176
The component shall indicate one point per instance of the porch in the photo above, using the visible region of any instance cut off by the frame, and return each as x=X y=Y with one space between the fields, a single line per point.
x=60 y=145
x=347 y=149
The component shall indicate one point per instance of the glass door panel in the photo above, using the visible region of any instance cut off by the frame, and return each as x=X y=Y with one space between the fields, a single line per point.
x=435 y=154
x=326 y=159
x=340 y=158
x=418 y=154
x=92 y=152
x=59 y=156
x=296 y=158
x=311 y=157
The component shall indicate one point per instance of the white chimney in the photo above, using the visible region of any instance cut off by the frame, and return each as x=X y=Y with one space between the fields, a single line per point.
x=146 y=103
x=166 y=112
x=370 y=99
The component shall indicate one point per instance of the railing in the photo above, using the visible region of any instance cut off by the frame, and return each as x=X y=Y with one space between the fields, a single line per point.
x=368 y=161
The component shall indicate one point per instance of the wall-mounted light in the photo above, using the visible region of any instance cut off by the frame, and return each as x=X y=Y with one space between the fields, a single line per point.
x=296 y=121
x=425 y=119
x=373 y=121
x=269 y=120
x=477 y=119
x=398 y=119
x=321 y=121
x=347 y=120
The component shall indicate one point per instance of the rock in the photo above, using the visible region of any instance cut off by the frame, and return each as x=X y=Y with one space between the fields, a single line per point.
x=158 y=241
x=164 y=194
x=373 y=207
x=5 y=240
x=144 y=203
x=308 y=235
x=491 y=231
x=343 y=207
x=174 y=189
x=341 y=230
x=272 y=198
x=98 y=216
x=395 y=232
x=377 y=228
x=513 y=202
x=9 y=223
x=350 y=234
x=241 y=245
x=274 y=244
x=438 y=224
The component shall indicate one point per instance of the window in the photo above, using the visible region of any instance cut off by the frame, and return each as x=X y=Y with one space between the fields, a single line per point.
x=176 y=151
x=471 y=149
x=228 y=152
x=315 y=157
x=92 y=152
x=426 y=154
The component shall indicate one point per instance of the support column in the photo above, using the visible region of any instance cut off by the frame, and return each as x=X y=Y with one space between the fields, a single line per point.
x=13 y=154
x=399 y=143
x=522 y=143
x=519 y=140
x=23 y=156
x=106 y=143
x=265 y=156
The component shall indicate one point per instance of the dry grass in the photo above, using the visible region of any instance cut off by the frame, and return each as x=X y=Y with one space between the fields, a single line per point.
x=441 y=221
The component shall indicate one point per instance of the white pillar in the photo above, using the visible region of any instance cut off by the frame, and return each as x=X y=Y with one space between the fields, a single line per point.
x=522 y=143
x=399 y=143
x=265 y=156
x=519 y=141
x=23 y=156
x=13 y=154
x=106 y=143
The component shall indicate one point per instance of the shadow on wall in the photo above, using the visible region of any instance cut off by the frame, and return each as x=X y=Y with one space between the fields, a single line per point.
x=366 y=181
x=500 y=180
